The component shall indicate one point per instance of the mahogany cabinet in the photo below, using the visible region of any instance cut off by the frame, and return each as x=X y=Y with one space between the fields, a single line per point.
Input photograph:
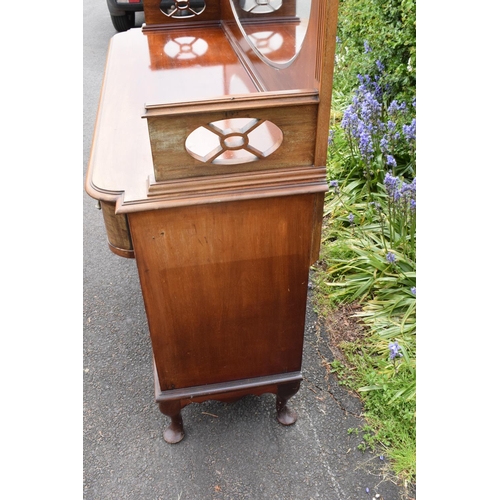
x=208 y=160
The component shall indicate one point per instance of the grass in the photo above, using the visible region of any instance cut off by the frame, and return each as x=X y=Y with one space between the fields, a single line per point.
x=368 y=257
x=355 y=269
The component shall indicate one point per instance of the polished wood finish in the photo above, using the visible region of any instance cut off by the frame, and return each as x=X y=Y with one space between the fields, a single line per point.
x=209 y=163
x=119 y=239
x=243 y=268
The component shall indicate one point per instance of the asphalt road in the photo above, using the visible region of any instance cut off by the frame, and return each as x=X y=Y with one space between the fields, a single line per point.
x=231 y=451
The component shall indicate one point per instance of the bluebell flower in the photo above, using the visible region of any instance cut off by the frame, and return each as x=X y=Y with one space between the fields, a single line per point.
x=390 y=257
x=330 y=137
x=384 y=144
x=392 y=131
x=391 y=162
x=351 y=218
x=335 y=186
x=395 y=107
x=361 y=79
x=367 y=47
x=377 y=205
x=413 y=290
x=350 y=119
x=410 y=131
x=391 y=184
x=394 y=350
x=365 y=141
x=410 y=188
x=380 y=66
x=371 y=109
x=408 y=194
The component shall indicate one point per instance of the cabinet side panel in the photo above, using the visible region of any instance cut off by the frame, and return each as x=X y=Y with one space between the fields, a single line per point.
x=225 y=287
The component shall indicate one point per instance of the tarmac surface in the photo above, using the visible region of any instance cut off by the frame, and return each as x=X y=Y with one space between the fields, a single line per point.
x=230 y=451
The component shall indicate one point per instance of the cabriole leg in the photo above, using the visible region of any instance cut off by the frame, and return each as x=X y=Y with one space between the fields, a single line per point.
x=285 y=415
x=175 y=431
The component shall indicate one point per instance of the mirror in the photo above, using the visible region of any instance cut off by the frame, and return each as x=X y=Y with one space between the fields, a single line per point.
x=275 y=29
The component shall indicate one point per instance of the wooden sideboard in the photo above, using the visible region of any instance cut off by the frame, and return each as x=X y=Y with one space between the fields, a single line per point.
x=208 y=161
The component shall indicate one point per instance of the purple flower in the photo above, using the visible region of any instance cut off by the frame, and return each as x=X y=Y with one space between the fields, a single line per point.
x=384 y=145
x=393 y=108
x=396 y=107
x=394 y=350
x=371 y=110
x=391 y=185
x=365 y=141
x=411 y=188
x=380 y=66
x=410 y=131
x=350 y=119
x=367 y=47
x=408 y=194
x=392 y=131
x=391 y=162
x=335 y=186
x=413 y=290
x=330 y=136
x=351 y=218
x=390 y=257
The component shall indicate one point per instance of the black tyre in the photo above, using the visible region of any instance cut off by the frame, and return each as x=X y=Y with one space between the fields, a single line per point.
x=123 y=23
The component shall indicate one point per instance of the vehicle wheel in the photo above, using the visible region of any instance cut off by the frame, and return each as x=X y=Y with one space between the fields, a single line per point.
x=123 y=23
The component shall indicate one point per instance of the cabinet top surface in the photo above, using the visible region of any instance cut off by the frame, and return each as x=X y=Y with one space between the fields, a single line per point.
x=148 y=68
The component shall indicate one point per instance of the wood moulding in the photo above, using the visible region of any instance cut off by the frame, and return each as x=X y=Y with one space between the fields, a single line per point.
x=221 y=391
x=235 y=103
x=228 y=187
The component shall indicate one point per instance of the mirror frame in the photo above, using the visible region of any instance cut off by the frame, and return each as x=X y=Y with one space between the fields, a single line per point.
x=237 y=9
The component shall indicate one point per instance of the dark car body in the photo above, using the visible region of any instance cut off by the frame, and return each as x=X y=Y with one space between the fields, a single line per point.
x=122 y=13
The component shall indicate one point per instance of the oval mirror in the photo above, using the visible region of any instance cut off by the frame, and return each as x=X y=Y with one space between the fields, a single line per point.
x=275 y=29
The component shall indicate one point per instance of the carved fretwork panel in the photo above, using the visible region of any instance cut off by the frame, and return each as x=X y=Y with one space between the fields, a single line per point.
x=174 y=11
x=262 y=133
x=182 y=9
x=234 y=141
